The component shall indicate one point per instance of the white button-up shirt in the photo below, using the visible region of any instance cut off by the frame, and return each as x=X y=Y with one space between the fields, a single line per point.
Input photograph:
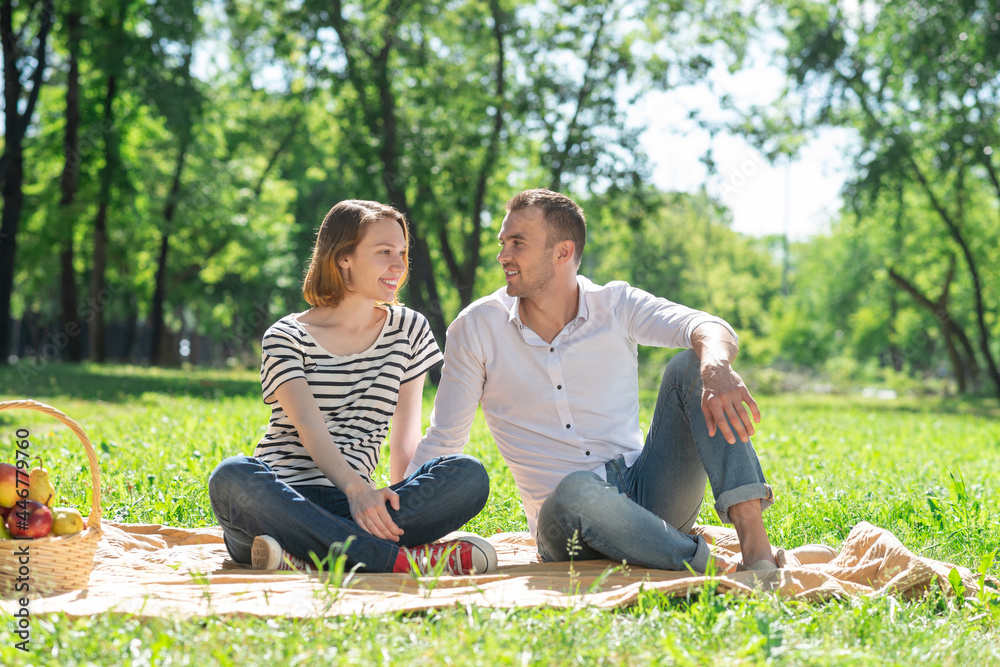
x=552 y=408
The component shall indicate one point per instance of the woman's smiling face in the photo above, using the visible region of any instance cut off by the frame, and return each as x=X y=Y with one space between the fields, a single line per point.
x=377 y=266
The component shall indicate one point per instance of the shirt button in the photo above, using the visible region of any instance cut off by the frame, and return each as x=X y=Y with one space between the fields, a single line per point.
x=552 y=349
x=558 y=386
x=567 y=426
x=587 y=452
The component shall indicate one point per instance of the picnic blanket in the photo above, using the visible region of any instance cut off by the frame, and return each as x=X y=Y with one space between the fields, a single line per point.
x=156 y=570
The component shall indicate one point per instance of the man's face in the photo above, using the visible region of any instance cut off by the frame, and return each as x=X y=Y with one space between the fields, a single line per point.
x=525 y=253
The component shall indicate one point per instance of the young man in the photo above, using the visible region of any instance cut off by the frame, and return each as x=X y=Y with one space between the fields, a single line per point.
x=552 y=359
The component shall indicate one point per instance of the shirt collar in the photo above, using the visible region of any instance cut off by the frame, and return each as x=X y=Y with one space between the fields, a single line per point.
x=514 y=314
x=582 y=311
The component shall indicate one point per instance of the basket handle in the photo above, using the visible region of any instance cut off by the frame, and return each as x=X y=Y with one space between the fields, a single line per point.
x=94 y=520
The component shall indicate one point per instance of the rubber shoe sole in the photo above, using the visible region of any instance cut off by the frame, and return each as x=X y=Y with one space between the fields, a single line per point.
x=484 y=556
x=267 y=554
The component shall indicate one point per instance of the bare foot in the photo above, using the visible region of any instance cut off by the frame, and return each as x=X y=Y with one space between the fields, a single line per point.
x=755 y=546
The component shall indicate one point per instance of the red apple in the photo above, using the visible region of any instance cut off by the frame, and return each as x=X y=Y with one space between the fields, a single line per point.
x=33 y=520
x=8 y=485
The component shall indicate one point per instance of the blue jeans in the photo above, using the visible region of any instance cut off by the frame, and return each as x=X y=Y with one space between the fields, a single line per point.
x=643 y=512
x=249 y=500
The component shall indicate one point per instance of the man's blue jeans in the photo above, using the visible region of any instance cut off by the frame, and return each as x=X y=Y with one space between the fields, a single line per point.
x=642 y=514
x=249 y=500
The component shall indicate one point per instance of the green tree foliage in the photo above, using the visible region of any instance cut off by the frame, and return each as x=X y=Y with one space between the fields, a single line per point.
x=212 y=138
x=685 y=251
x=919 y=83
x=197 y=222
x=845 y=309
x=446 y=112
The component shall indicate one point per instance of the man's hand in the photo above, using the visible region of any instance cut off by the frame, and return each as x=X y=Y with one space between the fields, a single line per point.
x=722 y=401
x=369 y=511
x=724 y=393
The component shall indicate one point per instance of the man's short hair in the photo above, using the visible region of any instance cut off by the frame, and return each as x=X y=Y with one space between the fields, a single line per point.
x=564 y=220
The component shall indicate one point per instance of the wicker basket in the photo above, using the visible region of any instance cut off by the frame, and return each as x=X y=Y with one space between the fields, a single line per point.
x=55 y=564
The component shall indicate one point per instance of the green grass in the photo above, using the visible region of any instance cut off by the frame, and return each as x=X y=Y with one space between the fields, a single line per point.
x=926 y=469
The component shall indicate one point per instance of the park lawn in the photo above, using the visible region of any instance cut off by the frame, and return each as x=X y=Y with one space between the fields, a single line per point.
x=926 y=469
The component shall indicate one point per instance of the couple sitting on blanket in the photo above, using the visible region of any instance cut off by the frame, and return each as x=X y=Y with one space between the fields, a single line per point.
x=552 y=360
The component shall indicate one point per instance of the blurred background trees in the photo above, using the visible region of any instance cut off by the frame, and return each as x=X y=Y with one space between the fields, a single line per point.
x=165 y=166
x=919 y=84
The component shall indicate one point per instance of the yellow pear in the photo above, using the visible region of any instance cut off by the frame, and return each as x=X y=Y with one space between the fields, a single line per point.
x=40 y=487
x=66 y=521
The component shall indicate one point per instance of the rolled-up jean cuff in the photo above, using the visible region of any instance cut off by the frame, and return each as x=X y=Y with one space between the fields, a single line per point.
x=699 y=562
x=742 y=494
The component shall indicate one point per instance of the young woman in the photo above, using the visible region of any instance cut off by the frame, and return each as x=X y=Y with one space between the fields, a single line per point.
x=334 y=376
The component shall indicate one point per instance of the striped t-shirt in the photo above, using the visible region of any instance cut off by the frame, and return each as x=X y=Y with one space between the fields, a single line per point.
x=356 y=393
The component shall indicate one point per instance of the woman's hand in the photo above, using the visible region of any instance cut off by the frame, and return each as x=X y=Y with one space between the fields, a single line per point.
x=369 y=511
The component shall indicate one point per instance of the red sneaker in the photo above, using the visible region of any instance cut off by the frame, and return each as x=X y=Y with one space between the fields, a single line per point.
x=466 y=555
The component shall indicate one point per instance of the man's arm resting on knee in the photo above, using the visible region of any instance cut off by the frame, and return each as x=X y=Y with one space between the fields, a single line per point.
x=724 y=393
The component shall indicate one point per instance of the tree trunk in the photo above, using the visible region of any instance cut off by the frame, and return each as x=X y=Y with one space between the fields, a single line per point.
x=12 y=161
x=895 y=353
x=425 y=297
x=70 y=307
x=977 y=284
x=466 y=279
x=98 y=298
x=68 y=184
x=97 y=285
x=160 y=291
x=559 y=156
x=157 y=324
x=13 y=199
x=950 y=329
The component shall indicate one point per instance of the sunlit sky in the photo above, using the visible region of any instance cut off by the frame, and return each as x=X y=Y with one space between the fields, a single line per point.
x=800 y=198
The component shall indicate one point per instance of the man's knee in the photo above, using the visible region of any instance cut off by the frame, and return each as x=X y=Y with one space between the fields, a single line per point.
x=684 y=361
x=576 y=501
x=469 y=465
x=576 y=491
x=684 y=367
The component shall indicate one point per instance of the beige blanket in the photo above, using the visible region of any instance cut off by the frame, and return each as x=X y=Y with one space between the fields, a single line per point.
x=154 y=570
